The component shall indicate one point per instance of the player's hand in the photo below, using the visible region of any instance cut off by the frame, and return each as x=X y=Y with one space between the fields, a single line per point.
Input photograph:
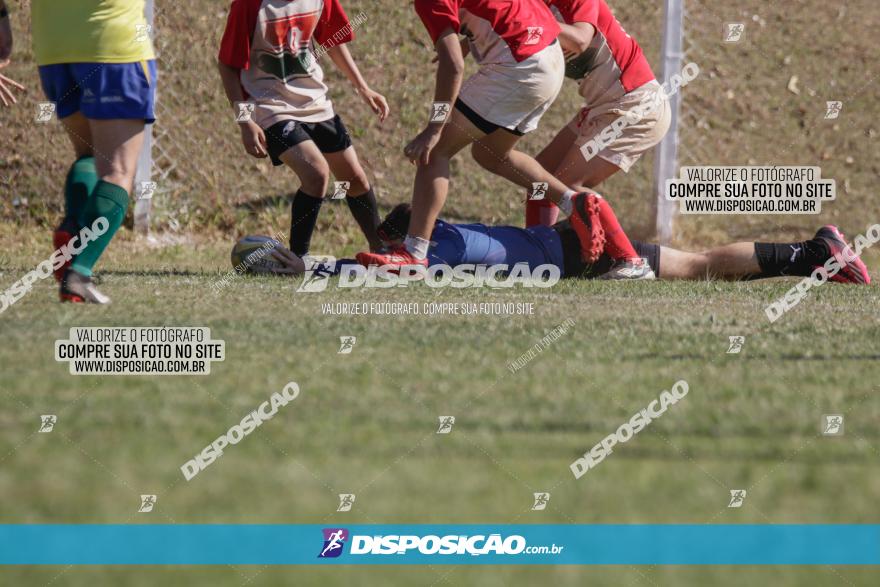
x=376 y=102
x=6 y=85
x=419 y=149
x=254 y=139
x=291 y=263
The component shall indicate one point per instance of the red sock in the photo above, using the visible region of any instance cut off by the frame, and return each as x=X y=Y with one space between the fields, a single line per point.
x=617 y=244
x=541 y=212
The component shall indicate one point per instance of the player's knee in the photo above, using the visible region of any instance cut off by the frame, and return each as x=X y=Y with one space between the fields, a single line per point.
x=486 y=158
x=358 y=183
x=315 y=179
x=124 y=178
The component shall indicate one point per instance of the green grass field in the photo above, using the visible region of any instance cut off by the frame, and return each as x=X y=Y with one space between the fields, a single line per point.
x=365 y=422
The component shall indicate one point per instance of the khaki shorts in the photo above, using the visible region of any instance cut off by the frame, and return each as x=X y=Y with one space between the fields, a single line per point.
x=515 y=97
x=644 y=117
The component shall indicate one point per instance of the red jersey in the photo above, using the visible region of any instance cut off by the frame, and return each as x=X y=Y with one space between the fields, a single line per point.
x=615 y=58
x=272 y=42
x=498 y=31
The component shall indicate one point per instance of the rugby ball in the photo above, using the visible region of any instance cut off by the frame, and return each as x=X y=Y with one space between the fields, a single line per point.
x=253 y=254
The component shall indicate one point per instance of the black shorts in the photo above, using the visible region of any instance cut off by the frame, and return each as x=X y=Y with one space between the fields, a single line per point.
x=575 y=268
x=330 y=136
x=480 y=122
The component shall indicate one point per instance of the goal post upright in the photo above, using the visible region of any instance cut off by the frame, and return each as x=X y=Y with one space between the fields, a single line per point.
x=666 y=155
x=144 y=173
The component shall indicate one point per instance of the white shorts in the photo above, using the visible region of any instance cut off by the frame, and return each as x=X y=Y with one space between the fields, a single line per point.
x=513 y=97
x=649 y=118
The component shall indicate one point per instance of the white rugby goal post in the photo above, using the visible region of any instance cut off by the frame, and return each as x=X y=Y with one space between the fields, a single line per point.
x=144 y=173
x=666 y=154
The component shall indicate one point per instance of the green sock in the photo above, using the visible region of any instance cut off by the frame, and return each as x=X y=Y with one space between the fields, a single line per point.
x=81 y=181
x=107 y=200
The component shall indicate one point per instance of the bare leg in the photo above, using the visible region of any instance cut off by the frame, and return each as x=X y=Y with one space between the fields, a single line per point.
x=346 y=167
x=310 y=167
x=432 y=180
x=313 y=171
x=360 y=198
x=496 y=154
x=117 y=145
x=734 y=261
x=565 y=161
x=77 y=128
x=573 y=170
x=730 y=262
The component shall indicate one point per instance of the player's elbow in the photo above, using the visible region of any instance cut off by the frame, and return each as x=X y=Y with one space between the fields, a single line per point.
x=582 y=43
x=580 y=36
x=452 y=64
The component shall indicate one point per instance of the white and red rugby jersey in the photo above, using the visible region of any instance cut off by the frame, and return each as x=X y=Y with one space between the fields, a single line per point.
x=614 y=64
x=499 y=31
x=272 y=42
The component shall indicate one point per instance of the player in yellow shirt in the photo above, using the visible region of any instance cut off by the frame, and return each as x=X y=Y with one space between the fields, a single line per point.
x=98 y=68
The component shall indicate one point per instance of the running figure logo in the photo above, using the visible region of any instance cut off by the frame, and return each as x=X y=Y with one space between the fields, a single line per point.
x=244 y=110
x=539 y=190
x=147 y=503
x=346 y=344
x=733 y=31
x=832 y=425
x=146 y=190
x=440 y=111
x=533 y=35
x=47 y=423
x=737 y=497
x=346 y=500
x=340 y=189
x=334 y=541
x=142 y=32
x=446 y=423
x=45 y=111
x=317 y=274
x=541 y=500
x=736 y=344
x=832 y=109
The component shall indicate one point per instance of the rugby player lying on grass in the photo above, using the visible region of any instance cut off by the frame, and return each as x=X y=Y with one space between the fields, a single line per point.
x=563 y=245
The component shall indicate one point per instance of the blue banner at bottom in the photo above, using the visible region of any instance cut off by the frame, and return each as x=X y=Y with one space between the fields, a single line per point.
x=485 y=544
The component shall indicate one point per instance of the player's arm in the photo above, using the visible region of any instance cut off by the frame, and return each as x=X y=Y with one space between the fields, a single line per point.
x=450 y=67
x=252 y=136
x=465 y=49
x=6 y=84
x=575 y=38
x=234 y=55
x=342 y=58
x=450 y=72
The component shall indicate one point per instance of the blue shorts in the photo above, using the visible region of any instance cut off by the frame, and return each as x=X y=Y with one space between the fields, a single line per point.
x=478 y=244
x=102 y=91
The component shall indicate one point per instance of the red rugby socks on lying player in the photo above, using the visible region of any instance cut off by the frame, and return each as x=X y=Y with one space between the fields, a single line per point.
x=541 y=213
x=617 y=244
